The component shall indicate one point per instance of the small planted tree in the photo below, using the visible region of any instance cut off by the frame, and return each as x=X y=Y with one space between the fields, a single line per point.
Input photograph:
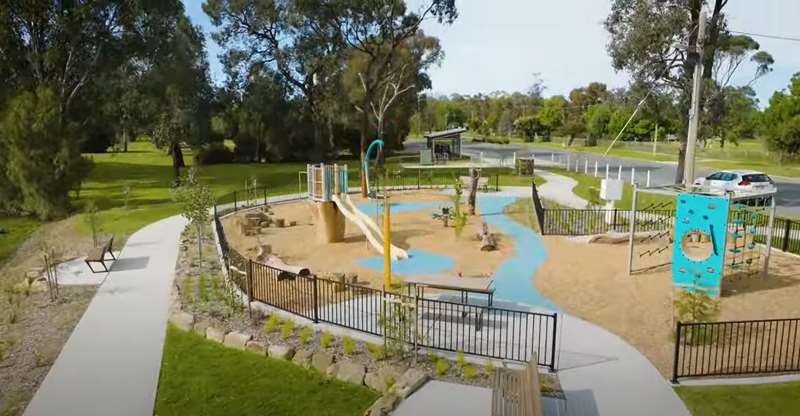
x=92 y=221
x=459 y=217
x=195 y=201
x=695 y=305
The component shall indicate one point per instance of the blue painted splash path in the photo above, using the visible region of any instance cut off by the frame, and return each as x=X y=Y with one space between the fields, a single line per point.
x=374 y=207
x=418 y=262
x=513 y=278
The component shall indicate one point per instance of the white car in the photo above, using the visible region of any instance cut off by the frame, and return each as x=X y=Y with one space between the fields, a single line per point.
x=738 y=182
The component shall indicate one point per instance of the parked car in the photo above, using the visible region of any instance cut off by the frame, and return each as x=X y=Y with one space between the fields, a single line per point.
x=739 y=182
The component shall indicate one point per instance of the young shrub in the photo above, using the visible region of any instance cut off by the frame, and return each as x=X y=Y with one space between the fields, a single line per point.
x=469 y=372
x=376 y=351
x=305 y=334
x=442 y=366
x=202 y=288
x=348 y=345
x=433 y=356
x=271 y=324
x=489 y=368
x=287 y=328
x=460 y=360
x=696 y=306
x=325 y=339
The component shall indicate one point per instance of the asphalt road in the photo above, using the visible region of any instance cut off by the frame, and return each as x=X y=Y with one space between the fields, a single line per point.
x=661 y=173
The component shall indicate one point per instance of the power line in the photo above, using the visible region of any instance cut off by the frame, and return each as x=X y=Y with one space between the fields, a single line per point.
x=778 y=37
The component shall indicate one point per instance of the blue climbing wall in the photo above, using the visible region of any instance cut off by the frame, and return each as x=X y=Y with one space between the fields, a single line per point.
x=708 y=214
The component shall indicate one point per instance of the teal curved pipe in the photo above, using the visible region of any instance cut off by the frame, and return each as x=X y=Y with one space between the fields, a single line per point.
x=376 y=142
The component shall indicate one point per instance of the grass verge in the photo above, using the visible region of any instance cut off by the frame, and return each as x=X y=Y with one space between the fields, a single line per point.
x=15 y=231
x=776 y=399
x=199 y=377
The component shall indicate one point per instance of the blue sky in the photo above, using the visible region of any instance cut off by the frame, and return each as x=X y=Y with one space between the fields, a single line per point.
x=499 y=44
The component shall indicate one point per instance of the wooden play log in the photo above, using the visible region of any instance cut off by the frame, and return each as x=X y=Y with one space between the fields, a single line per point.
x=280 y=222
x=488 y=242
x=286 y=271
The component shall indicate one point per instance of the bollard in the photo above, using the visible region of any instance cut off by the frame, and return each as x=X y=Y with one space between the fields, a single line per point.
x=648 y=178
x=586 y=167
x=619 y=172
x=633 y=176
x=595 y=168
x=606 y=170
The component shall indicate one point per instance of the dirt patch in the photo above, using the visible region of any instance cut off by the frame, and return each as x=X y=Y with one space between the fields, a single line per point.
x=410 y=230
x=639 y=308
x=30 y=345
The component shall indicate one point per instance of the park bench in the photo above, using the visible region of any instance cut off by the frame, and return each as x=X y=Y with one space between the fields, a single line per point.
x=98 y=254
x=483 y=182
x=517 y=392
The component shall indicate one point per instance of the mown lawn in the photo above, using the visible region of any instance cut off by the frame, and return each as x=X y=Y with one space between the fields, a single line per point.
x=778 y=399
x=203 y=378
x=14 y=231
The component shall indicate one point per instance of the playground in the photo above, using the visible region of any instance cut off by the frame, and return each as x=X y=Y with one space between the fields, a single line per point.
x=433 y=248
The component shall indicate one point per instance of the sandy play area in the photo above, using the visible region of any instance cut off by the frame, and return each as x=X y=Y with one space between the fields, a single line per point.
x=591 y=281
x=411 y=229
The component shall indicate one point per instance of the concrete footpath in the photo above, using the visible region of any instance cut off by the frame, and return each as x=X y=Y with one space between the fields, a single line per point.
x=111 y=362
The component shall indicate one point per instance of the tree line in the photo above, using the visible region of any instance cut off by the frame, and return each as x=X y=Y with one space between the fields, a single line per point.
x=303 y=81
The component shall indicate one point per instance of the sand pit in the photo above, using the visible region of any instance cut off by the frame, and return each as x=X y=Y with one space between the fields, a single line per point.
x=414 y=229
x=639 y=308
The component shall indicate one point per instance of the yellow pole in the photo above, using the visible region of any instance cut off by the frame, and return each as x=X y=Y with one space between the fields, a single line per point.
x=387 y=242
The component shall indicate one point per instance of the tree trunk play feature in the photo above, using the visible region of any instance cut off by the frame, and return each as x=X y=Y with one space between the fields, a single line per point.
x=488 y=242
x=474 y=175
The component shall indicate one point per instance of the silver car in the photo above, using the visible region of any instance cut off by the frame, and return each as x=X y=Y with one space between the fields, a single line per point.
x=738 y=182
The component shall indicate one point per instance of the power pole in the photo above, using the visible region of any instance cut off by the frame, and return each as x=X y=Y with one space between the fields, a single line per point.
x=694 y=113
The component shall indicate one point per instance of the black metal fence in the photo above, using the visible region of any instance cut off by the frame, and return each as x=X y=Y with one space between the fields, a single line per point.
x=597 y=220
x=736 y=348
x=475 y=329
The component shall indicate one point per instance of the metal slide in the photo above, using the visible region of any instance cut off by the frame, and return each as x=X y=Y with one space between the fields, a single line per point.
x=367 y=226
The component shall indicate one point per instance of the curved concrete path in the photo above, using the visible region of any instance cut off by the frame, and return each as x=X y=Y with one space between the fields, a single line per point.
x=111 y=362
x=559 y=189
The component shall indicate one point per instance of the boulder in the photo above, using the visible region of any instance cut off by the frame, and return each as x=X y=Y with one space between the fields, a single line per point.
x=383 y=406
x=281 y=351
x=215 y=334
x=302 y=357
x=409 y=382
x=321 y=361
x=257 y=347
x=332 y=370
x=237 y=340
x=182 y=320
x=200 y=328
x=351 y=372
x=383 y=378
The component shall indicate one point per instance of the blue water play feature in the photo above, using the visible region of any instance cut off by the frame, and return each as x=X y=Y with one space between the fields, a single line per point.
x=418 y=262
x=375 y=207
x=513 y=278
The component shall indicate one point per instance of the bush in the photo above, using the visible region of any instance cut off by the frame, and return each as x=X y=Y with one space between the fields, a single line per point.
x=213 y=153
x=287 y=328
x=305 y=334
x=442 y=366
x=348 y=345
x=271 y=324
x=460 y=360
x=376 y=351
x=433 y=356
x=469 y=371
x=325 y=339
x=489 y=368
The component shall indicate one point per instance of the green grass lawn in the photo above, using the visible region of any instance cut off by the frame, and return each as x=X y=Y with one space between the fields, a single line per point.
x=16 y=230
x=203 y=378
x=778 y=399
x=588 y=188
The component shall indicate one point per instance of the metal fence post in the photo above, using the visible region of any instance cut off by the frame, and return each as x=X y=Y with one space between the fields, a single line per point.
x=249 y=287
x=614 y=222
x=234 y=201
x=786 y=235
x=555 y=334
x=316 y=300
x=677 y=350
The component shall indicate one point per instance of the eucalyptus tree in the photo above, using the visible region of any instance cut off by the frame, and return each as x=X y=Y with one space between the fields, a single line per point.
x=654 y=41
